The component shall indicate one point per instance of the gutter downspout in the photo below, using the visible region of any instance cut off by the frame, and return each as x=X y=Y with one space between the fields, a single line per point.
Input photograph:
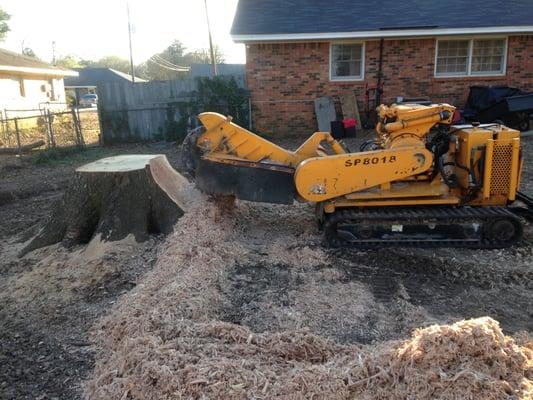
x=379 y=89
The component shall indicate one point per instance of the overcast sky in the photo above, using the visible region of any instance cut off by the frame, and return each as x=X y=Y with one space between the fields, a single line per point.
x=94 y=28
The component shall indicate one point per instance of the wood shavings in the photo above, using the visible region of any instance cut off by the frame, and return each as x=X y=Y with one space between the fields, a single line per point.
x=165 y=341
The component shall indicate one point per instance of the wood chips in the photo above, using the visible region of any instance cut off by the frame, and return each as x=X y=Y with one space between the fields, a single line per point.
x=164 y=340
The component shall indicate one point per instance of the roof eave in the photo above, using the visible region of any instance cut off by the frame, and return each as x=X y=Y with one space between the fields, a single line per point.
x=38 y=71
x=378 y=34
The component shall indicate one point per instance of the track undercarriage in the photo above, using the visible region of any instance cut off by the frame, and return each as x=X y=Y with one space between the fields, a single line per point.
x=467 y=227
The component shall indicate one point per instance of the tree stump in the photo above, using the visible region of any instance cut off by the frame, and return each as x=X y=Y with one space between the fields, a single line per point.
x=114 y=197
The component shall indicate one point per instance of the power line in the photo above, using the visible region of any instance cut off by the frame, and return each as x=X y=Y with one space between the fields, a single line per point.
x=180 y=69
x=173 y=68
x=166 y=62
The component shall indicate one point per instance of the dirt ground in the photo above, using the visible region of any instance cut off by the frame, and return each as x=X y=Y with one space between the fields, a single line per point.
x=50 y=298
x=65 y=312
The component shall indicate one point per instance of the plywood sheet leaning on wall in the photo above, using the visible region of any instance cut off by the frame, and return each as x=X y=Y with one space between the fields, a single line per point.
x=350 y=109
x=325 y=113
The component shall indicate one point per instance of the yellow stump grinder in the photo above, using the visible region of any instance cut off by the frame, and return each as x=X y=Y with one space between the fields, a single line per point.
x=420 y=182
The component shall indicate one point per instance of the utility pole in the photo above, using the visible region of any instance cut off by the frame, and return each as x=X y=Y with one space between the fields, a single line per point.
x=213 y=62
x=54 y=52
x=132 y=69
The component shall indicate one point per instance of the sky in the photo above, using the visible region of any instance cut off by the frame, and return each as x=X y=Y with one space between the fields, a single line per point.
x=91 y=29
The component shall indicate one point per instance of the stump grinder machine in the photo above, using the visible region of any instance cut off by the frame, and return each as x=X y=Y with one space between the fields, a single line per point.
x=420 y=182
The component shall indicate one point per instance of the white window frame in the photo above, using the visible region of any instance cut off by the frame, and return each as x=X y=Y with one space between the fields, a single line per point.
x=346 y=78
x=469 y=73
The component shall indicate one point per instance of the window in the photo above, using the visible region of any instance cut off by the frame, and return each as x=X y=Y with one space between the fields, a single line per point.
x=452 y=57
x=488 y=56
x=346 y=61
x=471 y=57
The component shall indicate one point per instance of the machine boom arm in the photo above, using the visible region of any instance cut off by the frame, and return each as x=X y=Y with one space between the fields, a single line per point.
x=323 y=170
x=224 y=139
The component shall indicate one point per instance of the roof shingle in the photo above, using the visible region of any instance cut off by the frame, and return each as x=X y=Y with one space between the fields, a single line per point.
x=12 y=59
x=94 y=76
x=258 y=17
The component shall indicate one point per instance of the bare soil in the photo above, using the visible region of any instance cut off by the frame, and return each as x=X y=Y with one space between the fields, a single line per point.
x=163 y=313
x=50 y=298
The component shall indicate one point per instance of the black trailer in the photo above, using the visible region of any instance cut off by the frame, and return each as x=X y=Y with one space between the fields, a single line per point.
x=509 y=105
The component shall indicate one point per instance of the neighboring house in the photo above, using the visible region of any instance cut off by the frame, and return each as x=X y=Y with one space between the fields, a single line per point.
x=206 y=70
x=297 y=50
x=89 y=78
x=29 y=84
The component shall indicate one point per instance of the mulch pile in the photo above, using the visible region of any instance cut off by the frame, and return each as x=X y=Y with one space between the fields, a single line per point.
x=165 y=340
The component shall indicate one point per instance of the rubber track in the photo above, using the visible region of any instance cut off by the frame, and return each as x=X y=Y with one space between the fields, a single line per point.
x=421 y=216
x=527 y=211
x=528 y=201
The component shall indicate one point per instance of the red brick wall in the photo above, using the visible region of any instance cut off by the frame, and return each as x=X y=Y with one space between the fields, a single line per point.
x=285 y=78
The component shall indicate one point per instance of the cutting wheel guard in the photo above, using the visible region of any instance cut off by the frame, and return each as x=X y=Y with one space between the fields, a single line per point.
x=259 y=182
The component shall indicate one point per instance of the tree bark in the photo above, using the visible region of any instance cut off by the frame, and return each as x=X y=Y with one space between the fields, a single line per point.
x=113 y=198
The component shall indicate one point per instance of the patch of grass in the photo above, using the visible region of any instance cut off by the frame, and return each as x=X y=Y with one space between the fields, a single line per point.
x=73 y=155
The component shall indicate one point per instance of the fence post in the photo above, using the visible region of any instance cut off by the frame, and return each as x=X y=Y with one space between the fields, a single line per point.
x=18 y=136
x=4 y=135
x=77 y=128
x=79 y=125
x=50 y=128
x=46 y=127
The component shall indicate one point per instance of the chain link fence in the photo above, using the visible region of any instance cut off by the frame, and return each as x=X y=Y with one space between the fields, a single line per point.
x=47 y=129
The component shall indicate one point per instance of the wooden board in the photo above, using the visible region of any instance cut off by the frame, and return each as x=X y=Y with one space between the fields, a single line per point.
x=325 y=113
x=350 y=108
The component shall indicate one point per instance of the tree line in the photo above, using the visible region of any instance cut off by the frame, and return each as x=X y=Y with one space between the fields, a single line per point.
x=171 y=63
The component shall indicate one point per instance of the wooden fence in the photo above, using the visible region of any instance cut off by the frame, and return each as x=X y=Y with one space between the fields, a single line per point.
x=144 y=111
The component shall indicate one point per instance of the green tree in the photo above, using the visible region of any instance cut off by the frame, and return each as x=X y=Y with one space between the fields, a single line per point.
x=114 y=62
x=4 y=27
x=220 y=94
x=68 y=61
x=203 y=56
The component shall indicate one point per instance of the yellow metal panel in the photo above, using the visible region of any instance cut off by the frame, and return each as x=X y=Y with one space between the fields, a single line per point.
x=309 y=148
x=515 y=165
x=330 y=206
x=402 y=189
x=469 y=139
x=520 y=169
x=502 y=168
x=323 y=178
x=224 y=137
x=488 y=168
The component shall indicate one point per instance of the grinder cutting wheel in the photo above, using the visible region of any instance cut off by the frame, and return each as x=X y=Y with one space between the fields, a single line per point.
x=450 y=188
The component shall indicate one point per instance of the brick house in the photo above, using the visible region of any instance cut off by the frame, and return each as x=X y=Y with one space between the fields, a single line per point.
x=297 y=50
